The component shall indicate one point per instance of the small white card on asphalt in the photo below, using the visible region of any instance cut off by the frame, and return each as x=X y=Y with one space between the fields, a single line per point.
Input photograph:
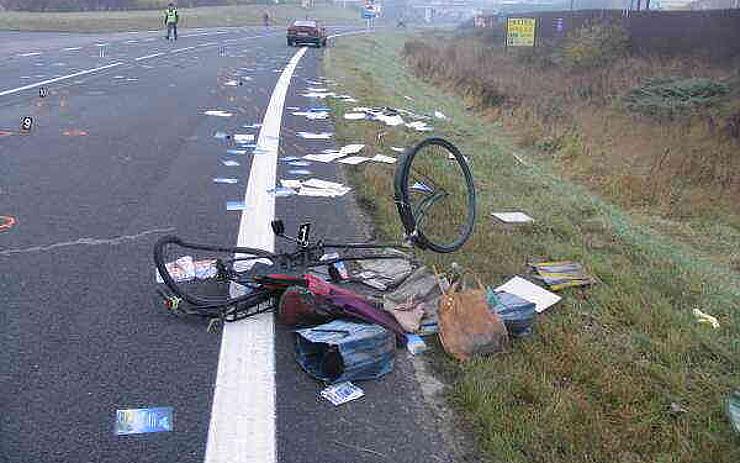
x=342 y=393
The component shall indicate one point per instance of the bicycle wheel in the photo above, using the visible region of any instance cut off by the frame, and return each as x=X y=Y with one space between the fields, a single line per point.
x=207 y=280
x=435 y=196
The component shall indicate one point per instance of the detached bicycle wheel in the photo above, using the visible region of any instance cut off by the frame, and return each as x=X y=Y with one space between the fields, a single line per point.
x=435 y=196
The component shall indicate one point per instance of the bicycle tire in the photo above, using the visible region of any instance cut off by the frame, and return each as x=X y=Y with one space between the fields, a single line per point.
x=200 y=302
x=410 y=221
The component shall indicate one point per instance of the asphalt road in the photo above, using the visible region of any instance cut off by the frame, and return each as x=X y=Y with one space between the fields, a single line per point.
x=117 y=158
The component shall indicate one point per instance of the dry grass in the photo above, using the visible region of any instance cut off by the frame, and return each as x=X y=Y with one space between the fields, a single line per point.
x=680 y=167
x=596 y=381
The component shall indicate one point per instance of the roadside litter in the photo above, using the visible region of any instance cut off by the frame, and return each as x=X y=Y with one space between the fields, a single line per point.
x=228 y=181
x=186 y=269
x=353 y=160
x=7 y=222
x=282 y=192
x=705 y=318
x=383 y=158
x=518 y=314
x=315 y=136
x=345 y=351
x=316 y=187
x=235 y=205
x=217 y=113
x=229 y=163
x=529 y=291
x=415 y=345
x=143 y=420
x=342 y=393
x=236 y=152
x=241 y=138
x=299 y=172
x=312 y=115
x=512 y=217
x=562 y=274
x=467 y=327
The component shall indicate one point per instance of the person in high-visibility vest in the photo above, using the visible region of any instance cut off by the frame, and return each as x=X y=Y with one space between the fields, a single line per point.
x=171 y=18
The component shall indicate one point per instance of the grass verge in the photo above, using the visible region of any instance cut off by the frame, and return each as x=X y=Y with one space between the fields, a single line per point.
x=113 y=21
x=597 y=380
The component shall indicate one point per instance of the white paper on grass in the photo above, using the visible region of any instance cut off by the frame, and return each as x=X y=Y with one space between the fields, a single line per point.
x=361 y=109
x=354 y=116
x=319 y=95
x=419 y=126
x=397 y=149
x=317 y=89
x=383 y=158
x=512 y=217
x=390 y=121
x=315 y=136
x=243 y=138
x=529 y=291
x=354 y=160
x=351 y=149
x=318 y=183
x=440 y=115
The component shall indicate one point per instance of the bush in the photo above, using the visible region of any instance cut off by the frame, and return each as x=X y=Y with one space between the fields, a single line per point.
x=594 y=45
x=674 y=96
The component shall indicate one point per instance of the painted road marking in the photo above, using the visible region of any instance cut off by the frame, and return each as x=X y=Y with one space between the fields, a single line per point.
x=60 y=78
x=242 y=428
x=153 y=55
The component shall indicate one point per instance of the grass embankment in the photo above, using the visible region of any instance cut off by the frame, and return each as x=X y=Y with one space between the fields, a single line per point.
x=597 y=380
x=111 y=21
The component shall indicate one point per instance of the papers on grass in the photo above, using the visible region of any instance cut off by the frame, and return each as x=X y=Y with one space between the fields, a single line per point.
x=312 y=115
x=351 y=149
x=353 y=160
x=354 y=116
x=529 y=291
x=512 y=217
x=383 y=158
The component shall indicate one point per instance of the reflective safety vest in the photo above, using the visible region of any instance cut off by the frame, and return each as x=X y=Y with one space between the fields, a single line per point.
x=170 y=16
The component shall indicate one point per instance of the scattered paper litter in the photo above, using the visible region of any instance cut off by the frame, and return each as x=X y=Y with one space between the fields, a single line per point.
x=299 y=164
x=229 y=163
x=282 y=192
x=145 y=420
x=439 y=115
x=397 y=150
x=703 y=317
x=512 y=217
x=354 y=116
x=318 y=183
x=236 y=152
x=351 y=149
x=288 y=183
x=315 y=136
x=323 y=157
x=221 y=135
x=235 y=205
x=289 y=158
x=312 y=115
x=231 y=83
x=383 y=158
x=317 y=89
x=229 y=181
x=240 y=138
x=319 y=95
x=252 y=126
x=419 y=126
x=354 y=160
x=217 y=113
x=391 y=121
x=317 y=192
x=529 y=291
x=299 y=172
x=342 y=393
x=407 y=98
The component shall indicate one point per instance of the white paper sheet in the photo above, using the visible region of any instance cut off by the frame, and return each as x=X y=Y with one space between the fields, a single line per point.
x=529 y=291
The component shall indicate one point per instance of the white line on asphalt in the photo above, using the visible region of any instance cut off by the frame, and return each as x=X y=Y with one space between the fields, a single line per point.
x=242 y=428
x=60 y=78
x=153 y=55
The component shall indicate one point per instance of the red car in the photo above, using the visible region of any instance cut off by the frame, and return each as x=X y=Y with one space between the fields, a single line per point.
x=306 y=32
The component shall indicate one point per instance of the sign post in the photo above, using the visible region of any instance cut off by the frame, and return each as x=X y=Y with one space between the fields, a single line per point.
x=520 y=32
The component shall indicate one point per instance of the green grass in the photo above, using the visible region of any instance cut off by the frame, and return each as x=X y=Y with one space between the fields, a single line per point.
x=596 y=381
x=110 y=21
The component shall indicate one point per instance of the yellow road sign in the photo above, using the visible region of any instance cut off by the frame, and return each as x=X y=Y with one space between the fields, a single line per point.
x=520 y=32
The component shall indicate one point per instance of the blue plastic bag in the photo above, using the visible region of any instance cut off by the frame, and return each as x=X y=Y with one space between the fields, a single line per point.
x=344 y=350
x=518 y=314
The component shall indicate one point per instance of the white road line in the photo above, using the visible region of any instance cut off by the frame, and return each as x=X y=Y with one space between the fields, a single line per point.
x=57 y=79
x=153 y=55
x=242 y=428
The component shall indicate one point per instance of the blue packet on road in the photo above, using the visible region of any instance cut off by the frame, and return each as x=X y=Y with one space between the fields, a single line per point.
x=143 y=420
